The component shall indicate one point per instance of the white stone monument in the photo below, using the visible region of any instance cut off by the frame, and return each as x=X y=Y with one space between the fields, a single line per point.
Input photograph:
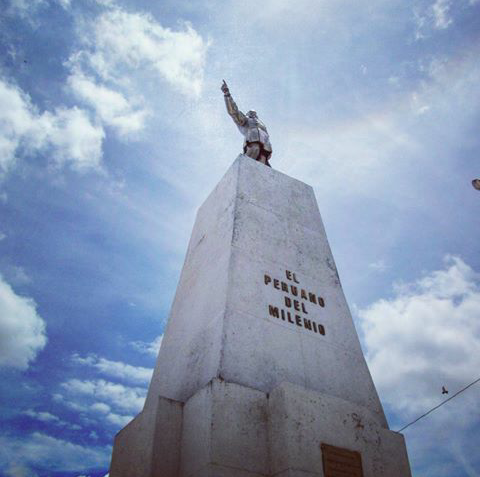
x=260 y=372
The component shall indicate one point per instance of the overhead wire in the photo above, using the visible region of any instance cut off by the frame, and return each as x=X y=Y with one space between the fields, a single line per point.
x=439 y=405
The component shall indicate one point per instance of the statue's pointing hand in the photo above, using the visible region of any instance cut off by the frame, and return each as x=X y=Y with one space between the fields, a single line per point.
x=225 y=88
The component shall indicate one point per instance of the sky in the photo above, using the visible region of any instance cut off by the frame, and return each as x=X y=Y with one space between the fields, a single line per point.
x=113 y=131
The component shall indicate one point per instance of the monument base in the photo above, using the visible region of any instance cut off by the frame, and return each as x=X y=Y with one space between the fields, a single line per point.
x=227 y=429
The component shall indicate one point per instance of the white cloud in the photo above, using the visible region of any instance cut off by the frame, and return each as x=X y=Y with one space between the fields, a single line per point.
x=126 y=116
x=41 y=415
x=118 y=50
x=122 y=397
x=16 y=119
x=118 y=41
x=41 y=450
x=441 y=18
x=427 y=336
x=100 y=407
x=436 y=16
x=22 y=330
x=130 y=399
x=116 y=369
x=71 y=404
x=66 y=135
x=152 y=348
x=72 y=138
x=45 y=416
x=2 y=236
x=28 y=10
x=118 y=419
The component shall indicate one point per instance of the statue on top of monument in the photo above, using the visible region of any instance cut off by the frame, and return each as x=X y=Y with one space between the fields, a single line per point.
x=257 y=142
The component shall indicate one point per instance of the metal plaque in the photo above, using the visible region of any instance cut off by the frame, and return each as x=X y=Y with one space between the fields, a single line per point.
x=338 y=462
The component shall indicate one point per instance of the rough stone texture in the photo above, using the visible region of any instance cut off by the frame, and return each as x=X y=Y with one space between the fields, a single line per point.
x=259 y=221
x=149 y=445
x=225 y=425
x=223 y=353
x=301 y=420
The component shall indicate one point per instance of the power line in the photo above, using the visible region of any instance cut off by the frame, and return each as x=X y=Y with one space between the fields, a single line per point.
x=439 y=405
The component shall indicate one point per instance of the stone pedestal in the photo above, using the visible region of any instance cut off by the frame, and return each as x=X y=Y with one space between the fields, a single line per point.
x=260 y=365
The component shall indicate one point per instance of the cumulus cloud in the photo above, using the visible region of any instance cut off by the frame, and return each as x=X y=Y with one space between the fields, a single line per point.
x=126 y=116
x=117 y=48
x=116 y=369
x=72 y=137
x=118 y=420
x=119 y=51
x=70 y=403
x=122 y=399
x=41 y=415
x=22 y=329
x=148 y=347
x=45 y=416
x=49 y=453
x=119 y=396
x=426 y=336
x=67 y=135
x=118 y=40
x=100 y=407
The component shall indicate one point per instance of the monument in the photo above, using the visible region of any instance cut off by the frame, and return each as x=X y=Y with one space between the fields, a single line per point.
x=257 y=141
x=260 y=372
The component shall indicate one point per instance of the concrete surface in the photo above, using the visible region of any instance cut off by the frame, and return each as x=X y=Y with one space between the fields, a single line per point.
x=260 y=362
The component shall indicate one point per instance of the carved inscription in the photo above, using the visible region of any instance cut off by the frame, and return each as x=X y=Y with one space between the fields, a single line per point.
x=338 y=462
x=295 y=301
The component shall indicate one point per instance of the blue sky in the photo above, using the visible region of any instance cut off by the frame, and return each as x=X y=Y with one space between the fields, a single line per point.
x=113 y=131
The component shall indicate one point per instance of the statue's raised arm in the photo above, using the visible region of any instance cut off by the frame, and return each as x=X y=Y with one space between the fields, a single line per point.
x=232 y=109
x=257 y=142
